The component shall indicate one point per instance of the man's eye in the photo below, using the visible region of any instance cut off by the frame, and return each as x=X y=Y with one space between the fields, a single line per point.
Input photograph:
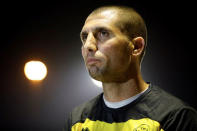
x=84 y=37
x=103 y=34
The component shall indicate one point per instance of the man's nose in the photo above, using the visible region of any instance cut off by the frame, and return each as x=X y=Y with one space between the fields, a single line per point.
x=90 y=44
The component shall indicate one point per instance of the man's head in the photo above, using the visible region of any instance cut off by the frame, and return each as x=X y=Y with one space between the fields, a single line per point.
x=114 y=41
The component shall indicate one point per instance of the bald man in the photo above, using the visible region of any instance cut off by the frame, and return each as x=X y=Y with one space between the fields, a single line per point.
x=113 y=46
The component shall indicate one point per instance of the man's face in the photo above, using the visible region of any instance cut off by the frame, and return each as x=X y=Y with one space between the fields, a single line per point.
x=105 y=49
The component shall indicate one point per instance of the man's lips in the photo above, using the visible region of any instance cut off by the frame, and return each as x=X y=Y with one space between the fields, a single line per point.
x=92 y=60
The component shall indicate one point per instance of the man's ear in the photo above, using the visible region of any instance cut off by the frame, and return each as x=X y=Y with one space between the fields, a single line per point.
x=139 y=45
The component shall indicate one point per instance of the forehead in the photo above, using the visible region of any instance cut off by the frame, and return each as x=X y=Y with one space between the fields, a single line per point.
x=94 y=25
x=106 y=14
x=106 y=19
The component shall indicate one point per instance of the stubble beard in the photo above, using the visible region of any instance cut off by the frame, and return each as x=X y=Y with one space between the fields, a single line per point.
x=97 y=72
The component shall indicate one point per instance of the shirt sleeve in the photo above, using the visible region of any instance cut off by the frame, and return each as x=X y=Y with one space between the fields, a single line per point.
x=183 y=120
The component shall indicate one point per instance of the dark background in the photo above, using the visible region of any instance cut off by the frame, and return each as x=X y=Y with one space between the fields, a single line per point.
x=49 y=31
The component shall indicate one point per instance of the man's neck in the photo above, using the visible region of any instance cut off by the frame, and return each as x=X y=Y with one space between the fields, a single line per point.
x=114 y=92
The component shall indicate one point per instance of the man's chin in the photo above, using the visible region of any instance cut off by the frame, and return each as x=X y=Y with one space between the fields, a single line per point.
x=95 y=76
x=96 y=73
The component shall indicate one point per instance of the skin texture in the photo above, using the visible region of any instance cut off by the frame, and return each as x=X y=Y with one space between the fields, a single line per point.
x=111 y=57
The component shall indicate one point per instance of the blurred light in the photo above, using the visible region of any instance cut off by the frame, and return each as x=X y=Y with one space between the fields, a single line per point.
x=35 y=70
x=97 y=83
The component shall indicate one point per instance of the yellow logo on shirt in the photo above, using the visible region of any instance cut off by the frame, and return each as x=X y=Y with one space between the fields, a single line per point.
x=144 y=124
x=142 y=127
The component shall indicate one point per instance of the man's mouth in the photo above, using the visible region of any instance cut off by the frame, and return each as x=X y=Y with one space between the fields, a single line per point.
x=91 y=61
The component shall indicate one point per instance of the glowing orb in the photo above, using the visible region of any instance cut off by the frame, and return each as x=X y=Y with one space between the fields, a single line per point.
x=35 y=70
x=97 y=83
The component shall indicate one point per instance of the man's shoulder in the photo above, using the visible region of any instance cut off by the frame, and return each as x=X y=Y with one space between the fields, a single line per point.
x=85 y=109
x=162 y=104
x=87 y=105
x=166 y=98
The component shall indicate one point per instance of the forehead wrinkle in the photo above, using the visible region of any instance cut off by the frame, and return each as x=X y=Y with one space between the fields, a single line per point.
x=101 y=17
x=90 y=18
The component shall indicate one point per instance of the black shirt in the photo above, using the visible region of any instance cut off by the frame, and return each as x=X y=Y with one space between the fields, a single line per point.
x=155 y=110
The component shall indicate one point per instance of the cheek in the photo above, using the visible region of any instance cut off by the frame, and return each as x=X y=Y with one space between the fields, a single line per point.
x=118 y=55
x=83 y=51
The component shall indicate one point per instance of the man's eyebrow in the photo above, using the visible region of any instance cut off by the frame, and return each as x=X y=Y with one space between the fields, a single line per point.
x=102 y=28
x=83 y=32
x=95 y=29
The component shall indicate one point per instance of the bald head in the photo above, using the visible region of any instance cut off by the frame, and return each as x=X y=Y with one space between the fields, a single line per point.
x=127 y=20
